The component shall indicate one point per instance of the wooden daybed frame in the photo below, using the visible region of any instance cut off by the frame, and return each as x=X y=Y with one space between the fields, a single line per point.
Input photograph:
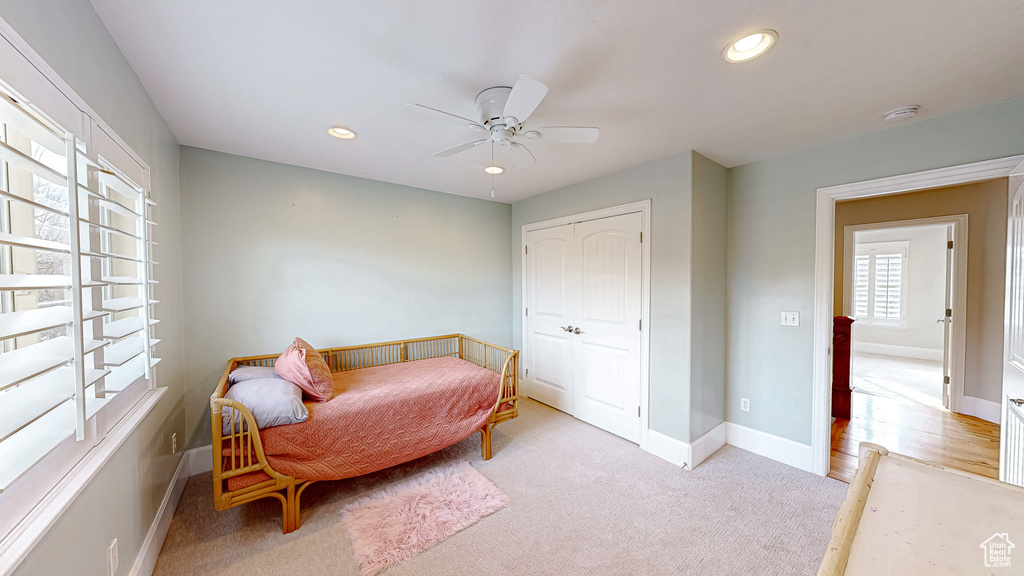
x=856 y=550
x=246 y=449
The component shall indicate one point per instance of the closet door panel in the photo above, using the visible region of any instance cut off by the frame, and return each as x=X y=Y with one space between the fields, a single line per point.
x=550 y=298
x=607 y=385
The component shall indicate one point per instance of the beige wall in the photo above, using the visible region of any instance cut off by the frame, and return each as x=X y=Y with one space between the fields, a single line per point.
x=985 y=205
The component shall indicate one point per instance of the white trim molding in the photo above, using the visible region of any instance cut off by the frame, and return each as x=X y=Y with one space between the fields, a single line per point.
x=768 y=445
x=824 y=270
x=194 y=461
x=683 y=454
x=644 y=207
x=668 y=448
x=707 y=444
x=145 y=562
x=981 y=408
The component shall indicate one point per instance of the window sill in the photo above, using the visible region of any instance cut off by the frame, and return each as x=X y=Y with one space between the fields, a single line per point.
x=19 y=542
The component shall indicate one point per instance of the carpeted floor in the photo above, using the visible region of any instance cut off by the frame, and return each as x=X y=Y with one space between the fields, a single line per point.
x=582 y=502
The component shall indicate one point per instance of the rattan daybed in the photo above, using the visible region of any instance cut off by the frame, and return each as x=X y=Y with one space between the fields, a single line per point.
x=242 y=471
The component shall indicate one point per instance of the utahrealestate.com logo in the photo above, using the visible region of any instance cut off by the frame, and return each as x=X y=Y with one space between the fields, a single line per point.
x=997 y=550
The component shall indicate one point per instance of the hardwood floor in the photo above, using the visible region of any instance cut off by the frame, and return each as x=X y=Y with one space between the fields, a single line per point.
x=953 y=440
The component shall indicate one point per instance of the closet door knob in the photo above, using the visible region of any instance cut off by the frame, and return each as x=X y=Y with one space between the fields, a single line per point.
x=567 y=328
x=578 y=331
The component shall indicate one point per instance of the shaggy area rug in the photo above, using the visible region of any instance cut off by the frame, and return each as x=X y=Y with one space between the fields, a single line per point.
x=405 y=519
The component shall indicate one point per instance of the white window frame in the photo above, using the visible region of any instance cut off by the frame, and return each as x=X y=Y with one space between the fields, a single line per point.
x=873 y=249
x=33 y=503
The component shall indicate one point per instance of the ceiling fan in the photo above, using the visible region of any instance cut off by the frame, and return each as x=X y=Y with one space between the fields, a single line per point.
x=503 y=114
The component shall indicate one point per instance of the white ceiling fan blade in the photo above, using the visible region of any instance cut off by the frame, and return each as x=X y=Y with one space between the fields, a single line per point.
x=428 y=112
x=520 y=155
x=524 y=98
x=565 y=134
x=460 y=148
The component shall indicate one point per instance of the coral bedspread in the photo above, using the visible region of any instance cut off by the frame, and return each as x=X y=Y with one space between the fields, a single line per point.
x=380 y=417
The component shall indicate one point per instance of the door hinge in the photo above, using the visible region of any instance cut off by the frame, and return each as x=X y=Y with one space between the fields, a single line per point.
x=527 y=371
x=641 y=326
x=527 y=311
x=949 y=244
x=526 y=249
x=637 y=411
x=949 y=312
x=641 y=237
x=945 y=379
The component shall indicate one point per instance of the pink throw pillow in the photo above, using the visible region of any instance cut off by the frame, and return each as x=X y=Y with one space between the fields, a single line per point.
x=303 y=366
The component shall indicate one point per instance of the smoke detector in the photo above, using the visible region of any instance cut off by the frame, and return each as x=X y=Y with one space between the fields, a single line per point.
x=901 y=113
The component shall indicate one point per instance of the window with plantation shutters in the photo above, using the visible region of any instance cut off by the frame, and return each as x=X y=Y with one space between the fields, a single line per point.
x=77 y=324
x=879 y=295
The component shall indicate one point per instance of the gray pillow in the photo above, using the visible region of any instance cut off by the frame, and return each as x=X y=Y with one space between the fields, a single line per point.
x=272 y=401
x=243 y=373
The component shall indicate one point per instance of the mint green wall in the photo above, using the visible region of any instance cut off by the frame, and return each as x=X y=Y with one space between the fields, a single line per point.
x=771 y=248
x=123 y=499
x=669 y=184
x=707 y=342
x=278 y=251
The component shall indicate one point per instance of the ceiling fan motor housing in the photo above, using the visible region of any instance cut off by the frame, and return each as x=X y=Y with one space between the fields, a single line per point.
x=491 y=105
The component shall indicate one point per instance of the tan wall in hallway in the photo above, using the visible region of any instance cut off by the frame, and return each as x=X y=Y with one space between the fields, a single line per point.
x=985 y=205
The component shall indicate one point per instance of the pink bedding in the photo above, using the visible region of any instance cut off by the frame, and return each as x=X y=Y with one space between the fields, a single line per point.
x=380 y=417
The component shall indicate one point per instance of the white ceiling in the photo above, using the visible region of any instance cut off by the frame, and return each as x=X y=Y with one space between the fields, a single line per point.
x=265 y=78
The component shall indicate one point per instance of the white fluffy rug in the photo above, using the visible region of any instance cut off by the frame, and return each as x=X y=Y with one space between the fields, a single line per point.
x=407 y=518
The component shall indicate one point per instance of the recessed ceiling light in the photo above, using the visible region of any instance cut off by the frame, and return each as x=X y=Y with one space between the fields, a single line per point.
x=494 y=169
x=750 y=46
x=339 y=132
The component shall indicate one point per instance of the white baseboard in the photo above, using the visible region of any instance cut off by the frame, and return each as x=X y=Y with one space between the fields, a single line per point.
x=668 y=448
x=777 y=448
x=195 y=461
x=145 y=562
x=683 y=454
x=200 y=460
x=981 y=408
x=894 y=350
x=707 y=445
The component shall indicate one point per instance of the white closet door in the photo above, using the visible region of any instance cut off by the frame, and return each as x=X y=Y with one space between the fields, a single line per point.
x=607 y=376
x=551 y=295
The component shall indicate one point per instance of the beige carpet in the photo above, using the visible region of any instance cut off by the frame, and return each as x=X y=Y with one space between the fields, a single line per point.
x=582 y=502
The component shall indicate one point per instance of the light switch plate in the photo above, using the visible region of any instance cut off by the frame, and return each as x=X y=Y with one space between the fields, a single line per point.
x=790 y=318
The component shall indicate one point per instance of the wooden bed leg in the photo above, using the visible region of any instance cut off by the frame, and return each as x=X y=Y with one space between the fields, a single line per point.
x=485 y=441
x=289 y=510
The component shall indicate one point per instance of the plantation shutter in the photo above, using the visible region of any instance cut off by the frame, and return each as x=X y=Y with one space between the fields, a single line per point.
x=861 y=285
x=888 y=286
x=75 y=266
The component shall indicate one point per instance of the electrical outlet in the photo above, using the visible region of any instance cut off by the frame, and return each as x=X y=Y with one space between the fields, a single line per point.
x=745 y=404
x=112 y=559
x=174 y=443
x=790 y=318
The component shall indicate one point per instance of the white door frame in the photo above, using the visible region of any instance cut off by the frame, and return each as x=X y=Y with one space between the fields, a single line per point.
x=824 y=271
x=644 y=207
x=959 y=334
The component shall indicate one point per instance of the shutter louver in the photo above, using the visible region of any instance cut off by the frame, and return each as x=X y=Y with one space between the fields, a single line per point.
x=75 y=285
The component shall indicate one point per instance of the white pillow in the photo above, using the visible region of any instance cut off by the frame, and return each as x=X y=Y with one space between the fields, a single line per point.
x=272 y=402
x=243 y=373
